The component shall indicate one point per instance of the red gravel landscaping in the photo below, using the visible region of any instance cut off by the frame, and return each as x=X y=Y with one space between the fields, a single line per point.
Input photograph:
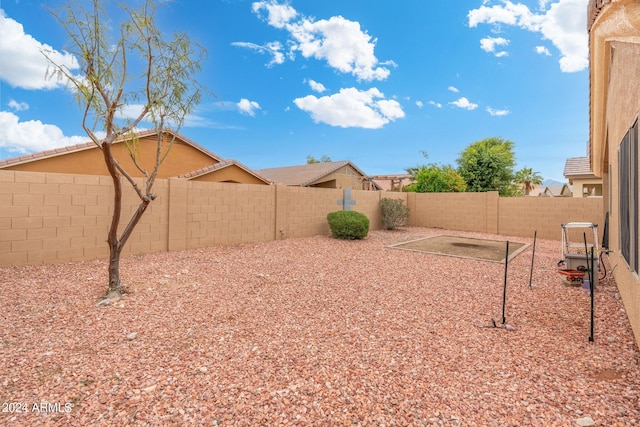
x=314 y=331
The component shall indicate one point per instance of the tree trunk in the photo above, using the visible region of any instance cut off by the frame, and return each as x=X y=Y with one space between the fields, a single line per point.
x=115 y=248
x=114 y=268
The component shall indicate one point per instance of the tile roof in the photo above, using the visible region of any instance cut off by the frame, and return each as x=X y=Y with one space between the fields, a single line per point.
x=578 y=167
x=304 y=175
x=89 y=145
x=221 y=165
x=392 y=182
x=593 y=10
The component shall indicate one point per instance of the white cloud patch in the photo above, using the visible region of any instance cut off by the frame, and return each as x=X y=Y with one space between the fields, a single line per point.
x=542 y=50
x=435 y=104
x=352 y=108
x=563 y=23
x=248 y=107
x=23 y=64
x=277 y=15
x=453 y=89
x=274 y=49
x=488 y=44
x=30 y=136
x=338 y=41
x=495 y=112
x=464 y=103
x=419 y=104
x=317 y=87
x=18 y=106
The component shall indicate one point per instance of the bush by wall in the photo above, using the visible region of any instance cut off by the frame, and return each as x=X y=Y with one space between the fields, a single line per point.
x=393 y=213
x=349 y=225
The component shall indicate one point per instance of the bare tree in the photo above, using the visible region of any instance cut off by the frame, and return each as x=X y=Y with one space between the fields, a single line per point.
x=135 y=66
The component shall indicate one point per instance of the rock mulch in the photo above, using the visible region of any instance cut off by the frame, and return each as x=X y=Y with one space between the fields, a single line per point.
x=314 y=331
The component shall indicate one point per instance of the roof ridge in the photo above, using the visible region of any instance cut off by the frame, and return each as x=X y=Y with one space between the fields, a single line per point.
x=91 y=144
x=338 y=165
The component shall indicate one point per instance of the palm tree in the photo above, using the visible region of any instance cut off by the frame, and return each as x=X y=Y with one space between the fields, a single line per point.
x=528 y=179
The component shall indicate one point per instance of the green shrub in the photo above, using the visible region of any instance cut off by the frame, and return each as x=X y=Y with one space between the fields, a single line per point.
x=411 y=188
x=349 y=225
x=393 y=213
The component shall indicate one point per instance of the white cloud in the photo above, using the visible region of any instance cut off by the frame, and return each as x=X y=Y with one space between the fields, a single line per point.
x=542 y=4
x=18 y=106
x=542 y=50
x=338 y=41
x=563 y=23
x=495 y=112
x=352 y=108
x=419 y=104
x=453 y=89
x=435 y=104
x=248 y=107
x=488 y=44
x=464 y=104
x=278 y=15
x=317 y=87
x=23 y=64
x=32 y=136
x=273 y=48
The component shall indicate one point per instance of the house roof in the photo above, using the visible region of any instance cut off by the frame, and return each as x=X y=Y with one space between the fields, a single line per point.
x=89 y=145
x=578 y=167
x=386 y=182
x=304 y=175
x=593 y=10
x=557 y=191
x=221 y=165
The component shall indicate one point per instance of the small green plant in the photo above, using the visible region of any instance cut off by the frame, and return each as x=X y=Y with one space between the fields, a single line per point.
x=394 y=213
x=349 y=225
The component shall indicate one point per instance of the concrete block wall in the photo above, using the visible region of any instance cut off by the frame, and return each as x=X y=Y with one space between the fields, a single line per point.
x=302 y=211
x=521 y=216
x=368 y=203
x=456 y=211
x=51 y=218
x=222 y=214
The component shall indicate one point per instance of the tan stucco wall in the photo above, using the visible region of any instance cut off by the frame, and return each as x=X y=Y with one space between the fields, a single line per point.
x=182 y=158
x=623 y=108
x=578 y=185
x=614 y=47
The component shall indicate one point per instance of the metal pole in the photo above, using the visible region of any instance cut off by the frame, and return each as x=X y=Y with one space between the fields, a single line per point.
x=504 y=291
x=589 y=273
x=591 y=288
x=535 y=233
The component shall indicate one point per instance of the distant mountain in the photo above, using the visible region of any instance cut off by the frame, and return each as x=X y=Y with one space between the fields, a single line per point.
x=551 y=182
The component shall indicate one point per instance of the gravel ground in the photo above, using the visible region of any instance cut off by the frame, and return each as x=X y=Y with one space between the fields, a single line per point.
x=314 y=331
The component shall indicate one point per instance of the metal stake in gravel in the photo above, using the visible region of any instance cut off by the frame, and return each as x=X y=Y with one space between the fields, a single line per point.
x=504 y=294
x=504 y=291
x=590 y=273
x=535 y=233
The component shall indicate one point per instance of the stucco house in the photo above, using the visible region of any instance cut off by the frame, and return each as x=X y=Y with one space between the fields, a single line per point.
x=186 y=159
x=614 y=61
x=342 y=174
x=583 y=182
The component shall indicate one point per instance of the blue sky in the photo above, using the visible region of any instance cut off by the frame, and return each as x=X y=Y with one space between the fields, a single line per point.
x=371 y=81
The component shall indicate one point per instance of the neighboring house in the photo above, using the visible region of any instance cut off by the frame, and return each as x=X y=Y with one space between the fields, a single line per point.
x=584 y=183
x=186 y=159
x=343 y=174
x=392 y=182
x=614 y=61
x=563 y=190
